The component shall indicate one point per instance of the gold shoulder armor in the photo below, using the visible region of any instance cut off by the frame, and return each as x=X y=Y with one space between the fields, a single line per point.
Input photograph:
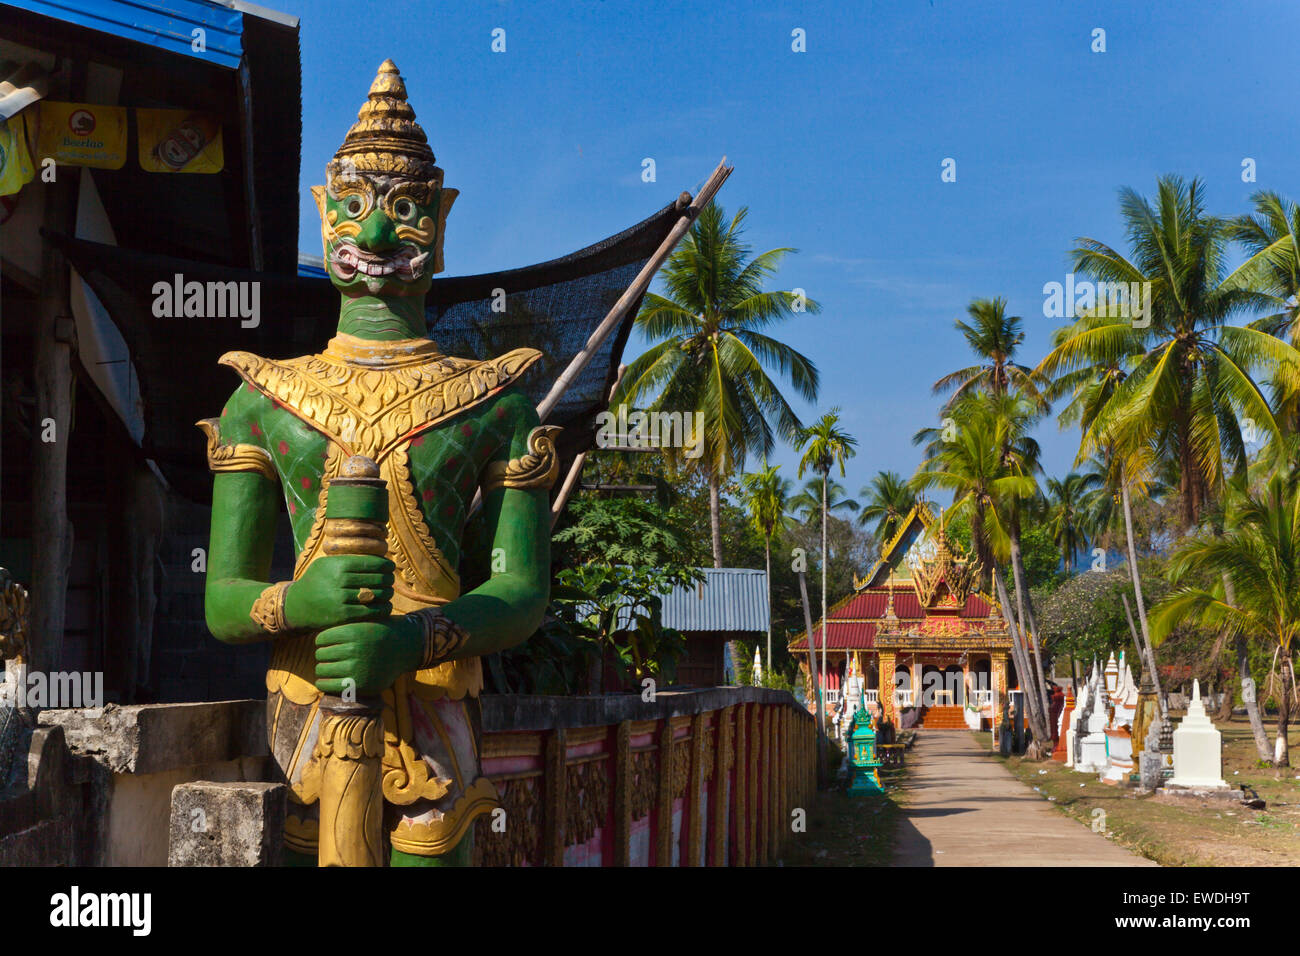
x=536 y=469
x=237 y=457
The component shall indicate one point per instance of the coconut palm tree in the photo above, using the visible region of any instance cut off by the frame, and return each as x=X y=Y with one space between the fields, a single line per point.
x=806 y=506
x=712 y=353
x=765 y=494
x=1270 y=236
x=1260 y=553
x=1273 y=270
x=824 y=444
x=888 y=499
x=994 y=336
x=1067 y=513
x=1119 y=464
x=1187 y=372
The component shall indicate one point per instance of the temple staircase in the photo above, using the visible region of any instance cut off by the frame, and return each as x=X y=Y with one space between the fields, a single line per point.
x=943 y=718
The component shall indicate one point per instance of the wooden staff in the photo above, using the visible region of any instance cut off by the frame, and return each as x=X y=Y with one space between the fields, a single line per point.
x=575 y=469
x=636 y=289
x=690 y=211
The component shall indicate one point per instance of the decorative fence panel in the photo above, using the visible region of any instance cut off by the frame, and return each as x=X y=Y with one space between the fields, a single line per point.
x=694 y=778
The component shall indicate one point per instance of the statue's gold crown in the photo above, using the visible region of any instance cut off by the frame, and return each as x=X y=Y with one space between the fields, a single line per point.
x=386 y=138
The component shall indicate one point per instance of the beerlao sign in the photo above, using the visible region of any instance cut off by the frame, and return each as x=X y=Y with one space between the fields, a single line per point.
x=83 y=134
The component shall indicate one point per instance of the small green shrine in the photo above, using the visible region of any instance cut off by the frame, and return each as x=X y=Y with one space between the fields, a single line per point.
x=864 y=775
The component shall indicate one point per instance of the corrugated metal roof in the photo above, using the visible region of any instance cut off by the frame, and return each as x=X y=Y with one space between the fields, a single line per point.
x=728 y=599
x=166 y=24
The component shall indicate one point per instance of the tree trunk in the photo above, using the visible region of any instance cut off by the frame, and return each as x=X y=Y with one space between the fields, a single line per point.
x=1249 y=694
x=1147 y=655
x=981 y=548
x=767 y=555
x=826 y=630
x=1024 y=602
x=1190 y=485
x=1020 y=654
x=1133 y=562
x=715 y=520
x=812 y=672
x=1281 y=757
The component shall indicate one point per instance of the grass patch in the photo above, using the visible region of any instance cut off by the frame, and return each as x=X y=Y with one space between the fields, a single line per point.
x=1176 y=832
x=847 y=829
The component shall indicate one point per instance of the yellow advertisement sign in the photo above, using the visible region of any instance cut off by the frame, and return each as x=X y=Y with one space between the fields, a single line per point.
x=15 y=162
x=179 y=141
x=83 y=134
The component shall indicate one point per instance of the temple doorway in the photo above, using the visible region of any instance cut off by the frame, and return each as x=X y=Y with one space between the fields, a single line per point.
x=954 y=679
x=935 y=692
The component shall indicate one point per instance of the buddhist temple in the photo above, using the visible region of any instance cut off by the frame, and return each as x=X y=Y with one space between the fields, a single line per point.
x=916 y=623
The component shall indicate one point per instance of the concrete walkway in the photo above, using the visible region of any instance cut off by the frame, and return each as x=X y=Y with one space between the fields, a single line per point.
x=963 y=808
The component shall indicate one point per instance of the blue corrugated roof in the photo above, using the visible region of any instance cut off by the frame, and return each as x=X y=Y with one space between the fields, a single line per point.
x=167 y=24
x=311 y=267
x=728 y=599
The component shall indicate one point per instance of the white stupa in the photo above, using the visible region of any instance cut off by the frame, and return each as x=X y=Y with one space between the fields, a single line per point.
x=1092 y=749
x=1198 y=749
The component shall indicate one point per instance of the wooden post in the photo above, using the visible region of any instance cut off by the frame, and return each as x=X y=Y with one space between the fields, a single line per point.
x=778 y=780
x=694 y=806
x=554 y=791
x=623 y=795
x=765 y=781
x=664 y=804
x=783 y=779
x=721 y=788
x=575 y=469
x=54 y=333
x=755 y=790
x=740 y=850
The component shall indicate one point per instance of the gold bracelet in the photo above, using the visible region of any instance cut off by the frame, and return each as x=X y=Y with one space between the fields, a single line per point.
x=268 y=609
x=443 y=637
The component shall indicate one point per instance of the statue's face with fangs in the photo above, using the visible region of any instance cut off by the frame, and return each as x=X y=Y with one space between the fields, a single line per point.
x=383 y=207
x=381 y=233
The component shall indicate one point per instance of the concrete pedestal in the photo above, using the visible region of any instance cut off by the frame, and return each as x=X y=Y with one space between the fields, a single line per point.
x=1119 y=746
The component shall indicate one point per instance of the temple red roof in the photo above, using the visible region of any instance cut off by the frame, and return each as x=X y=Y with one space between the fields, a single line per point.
x=932 y=586
x=855 y=621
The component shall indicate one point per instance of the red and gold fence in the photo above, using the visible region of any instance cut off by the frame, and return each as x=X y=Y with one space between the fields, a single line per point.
x=697 y=778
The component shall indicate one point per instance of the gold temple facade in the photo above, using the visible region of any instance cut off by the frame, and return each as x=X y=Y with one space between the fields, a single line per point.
x=918 y=631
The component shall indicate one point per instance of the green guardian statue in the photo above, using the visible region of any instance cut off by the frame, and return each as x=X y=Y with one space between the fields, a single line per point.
x=381 y=407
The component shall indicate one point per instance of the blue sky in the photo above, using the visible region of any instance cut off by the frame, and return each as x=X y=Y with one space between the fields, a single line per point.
x=838 y=150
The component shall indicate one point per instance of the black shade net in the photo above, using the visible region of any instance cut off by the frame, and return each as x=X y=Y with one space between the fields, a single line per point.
x=553 y=306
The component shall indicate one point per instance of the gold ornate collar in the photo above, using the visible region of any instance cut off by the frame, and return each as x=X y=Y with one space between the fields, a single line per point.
x=397 y=353
x=370 y=409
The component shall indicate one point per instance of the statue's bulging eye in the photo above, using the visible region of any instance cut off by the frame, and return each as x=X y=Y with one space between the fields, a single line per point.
x=354 y=206
x=404 y=209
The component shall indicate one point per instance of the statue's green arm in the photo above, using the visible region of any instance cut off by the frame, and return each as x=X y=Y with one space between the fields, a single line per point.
x=508 y=607
x=241 y=605
x=245 y=506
